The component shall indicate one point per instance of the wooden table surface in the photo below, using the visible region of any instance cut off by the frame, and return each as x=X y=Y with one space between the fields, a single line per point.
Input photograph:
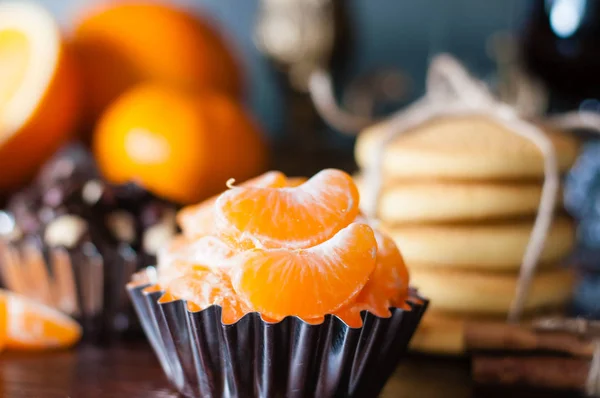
x=131 y=371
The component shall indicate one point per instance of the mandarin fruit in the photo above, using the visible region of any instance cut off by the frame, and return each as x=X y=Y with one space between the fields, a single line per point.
x=180 y=146
x=182 y=255
x=120 y=45
x=390 y=277
x=204 y=288
x=198 y=220
x=28 y=325
x=276 y=282
x=293 y=217
x=38 y=91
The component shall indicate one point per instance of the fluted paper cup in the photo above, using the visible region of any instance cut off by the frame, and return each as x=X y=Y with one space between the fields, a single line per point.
x=202 y=357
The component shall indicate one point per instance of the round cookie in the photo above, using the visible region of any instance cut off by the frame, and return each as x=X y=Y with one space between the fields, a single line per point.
x=464 y=147
x=482 y=247
x=442 y=333
x=439 y=334
x=468 y=292
x=443 y=201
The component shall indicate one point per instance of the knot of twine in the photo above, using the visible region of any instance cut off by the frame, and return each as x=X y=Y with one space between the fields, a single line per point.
x=452 y=91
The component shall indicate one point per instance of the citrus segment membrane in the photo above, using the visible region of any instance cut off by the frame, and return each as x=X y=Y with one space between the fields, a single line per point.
x=204 y=288
x=183 y=255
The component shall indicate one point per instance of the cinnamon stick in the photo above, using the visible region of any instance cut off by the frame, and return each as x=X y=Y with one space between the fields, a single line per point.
x=506 y=337
x=538 y=372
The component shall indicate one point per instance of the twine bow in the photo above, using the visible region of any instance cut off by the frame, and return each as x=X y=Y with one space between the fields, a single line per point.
x=452 y=91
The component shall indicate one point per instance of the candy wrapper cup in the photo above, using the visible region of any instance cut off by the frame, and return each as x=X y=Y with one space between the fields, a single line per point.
x=79 y=282
x=202 y=357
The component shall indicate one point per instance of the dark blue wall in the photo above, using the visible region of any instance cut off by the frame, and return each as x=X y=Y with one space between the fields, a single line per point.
x=399 y=33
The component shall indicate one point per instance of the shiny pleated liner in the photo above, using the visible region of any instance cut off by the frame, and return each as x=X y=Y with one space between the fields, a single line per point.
x=81 y=283
x=202 y=357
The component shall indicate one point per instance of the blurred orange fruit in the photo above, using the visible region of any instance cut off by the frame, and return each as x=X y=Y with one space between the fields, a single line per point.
x=28 y=325
x=293 y=217
x=198 y=220
x=38 y=91
x=277 y=282
x=122 y=44
x=180 y=146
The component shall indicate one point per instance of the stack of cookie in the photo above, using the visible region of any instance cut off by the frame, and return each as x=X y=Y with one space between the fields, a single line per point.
x=460 y=197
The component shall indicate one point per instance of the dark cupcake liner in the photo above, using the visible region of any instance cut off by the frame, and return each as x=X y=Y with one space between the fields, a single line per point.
x=81 y=283
x=202 y=357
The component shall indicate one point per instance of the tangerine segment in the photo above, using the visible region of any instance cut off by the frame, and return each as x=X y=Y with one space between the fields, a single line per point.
x=291 y=217
x=198 y=220
x=295 y=181
x=390 y=277
x=182 y=255
x=308 y=283
x=27 y=325
x=203 y=288
x=351 y=313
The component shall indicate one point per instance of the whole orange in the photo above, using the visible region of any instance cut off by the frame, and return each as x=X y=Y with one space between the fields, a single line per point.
x=122 y=44
x=39 y=91
x=182 y=146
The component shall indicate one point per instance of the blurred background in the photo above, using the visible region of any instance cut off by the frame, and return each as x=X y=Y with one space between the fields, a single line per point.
x=376 y=35
x=172 y=98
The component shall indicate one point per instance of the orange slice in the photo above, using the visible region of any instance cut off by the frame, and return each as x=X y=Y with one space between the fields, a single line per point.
x=198 y=220
x=28 y=325
x=203 y=288
x=39 y=89
x=308 y=283
x=292 y=217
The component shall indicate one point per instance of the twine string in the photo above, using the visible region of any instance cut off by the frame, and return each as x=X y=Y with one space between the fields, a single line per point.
x=451 y=91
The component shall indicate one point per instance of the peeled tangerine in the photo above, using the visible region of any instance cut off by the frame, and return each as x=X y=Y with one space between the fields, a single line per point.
x=182 y=255
x=27 y=325
x=198 y=220
x=293 y=248
x=277 y=282
x=203 y=288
